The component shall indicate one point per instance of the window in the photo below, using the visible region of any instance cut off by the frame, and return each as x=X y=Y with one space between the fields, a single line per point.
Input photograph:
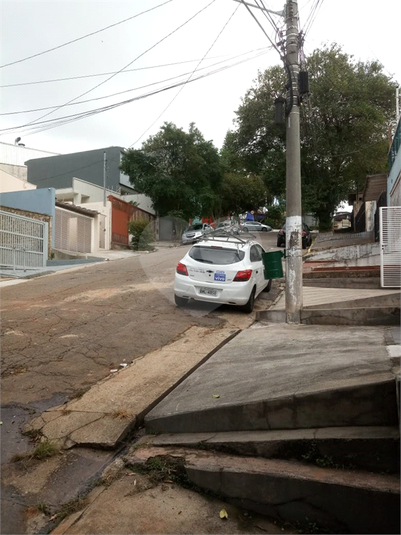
x=216 y=255
x=256 y=253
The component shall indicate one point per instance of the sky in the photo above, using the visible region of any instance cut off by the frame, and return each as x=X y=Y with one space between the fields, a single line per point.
x=216 y=46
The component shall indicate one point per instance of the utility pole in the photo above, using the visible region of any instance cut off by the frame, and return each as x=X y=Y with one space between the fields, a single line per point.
x=293 y=266
x=104 y=177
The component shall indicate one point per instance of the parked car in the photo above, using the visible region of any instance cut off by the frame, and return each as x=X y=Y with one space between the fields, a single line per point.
x=306 y=236
x=225 y=270
x=228 y=226
x=195 y=232
x=252 y=226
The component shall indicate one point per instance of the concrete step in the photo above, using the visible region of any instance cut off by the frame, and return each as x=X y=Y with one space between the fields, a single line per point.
x=386 y=300
x=374 y=315
x=320 y=315
x=361 y=283
x=364 y=403
x=341 y=501
x=376 y=449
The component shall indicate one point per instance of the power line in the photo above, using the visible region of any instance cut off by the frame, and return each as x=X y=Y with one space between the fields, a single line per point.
x=123 y=68
x=103 y=73
x=83 y=37
x=189 y=78
x=259 y=52
x=61 y=121
x=261 y=27
x=312 y=16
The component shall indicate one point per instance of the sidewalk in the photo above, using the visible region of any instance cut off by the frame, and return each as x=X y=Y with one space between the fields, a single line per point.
x=8 y=276
x=270 y=376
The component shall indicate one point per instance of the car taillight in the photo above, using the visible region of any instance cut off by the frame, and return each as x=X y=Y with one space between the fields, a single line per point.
x=242 y=276
x=182 y=269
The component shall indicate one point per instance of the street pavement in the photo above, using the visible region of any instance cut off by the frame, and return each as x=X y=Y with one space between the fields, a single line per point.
x=187 y=386
x=262 y=363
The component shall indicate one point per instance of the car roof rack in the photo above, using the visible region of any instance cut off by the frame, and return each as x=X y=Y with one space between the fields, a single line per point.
x=224 y=235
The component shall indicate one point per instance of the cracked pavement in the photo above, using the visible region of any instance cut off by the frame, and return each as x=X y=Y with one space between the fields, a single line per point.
x=64 y=333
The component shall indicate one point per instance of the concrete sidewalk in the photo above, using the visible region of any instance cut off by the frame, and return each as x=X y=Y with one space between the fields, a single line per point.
x=268 y=377
x=9 y=276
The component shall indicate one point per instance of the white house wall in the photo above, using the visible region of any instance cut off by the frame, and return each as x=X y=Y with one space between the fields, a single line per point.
x=19 y=154
x=10 y=183
x=102 y=211
x=143 y=202
x=395 y=193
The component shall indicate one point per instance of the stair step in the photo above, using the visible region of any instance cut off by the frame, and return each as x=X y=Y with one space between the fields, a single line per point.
x=342 y=501
x=363 y=403
x=370 y=448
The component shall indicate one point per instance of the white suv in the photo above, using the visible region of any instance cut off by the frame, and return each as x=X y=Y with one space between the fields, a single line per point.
x=225 y=270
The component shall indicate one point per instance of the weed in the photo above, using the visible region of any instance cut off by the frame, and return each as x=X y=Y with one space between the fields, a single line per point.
x=45 y=449
x=122 y=415
x=33 y=434
x=43 y=508
x=164 y=468
x=168 y=469
x=71 y=507
x=18 y=457
x=34 y=510
x=314 y=456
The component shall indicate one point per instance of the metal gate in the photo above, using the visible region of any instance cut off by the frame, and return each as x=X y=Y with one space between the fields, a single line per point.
x=390 y=246
x=23 y=242
x=73 y=232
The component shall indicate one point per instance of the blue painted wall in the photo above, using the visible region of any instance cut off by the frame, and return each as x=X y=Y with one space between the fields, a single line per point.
x=41 y=201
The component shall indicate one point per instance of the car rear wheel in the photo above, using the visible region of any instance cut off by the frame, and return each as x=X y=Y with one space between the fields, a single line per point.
x=251 y=301
x=180 y=301
x=268 y=287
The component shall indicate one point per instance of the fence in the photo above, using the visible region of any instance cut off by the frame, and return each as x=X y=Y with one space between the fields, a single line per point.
x=23 y=242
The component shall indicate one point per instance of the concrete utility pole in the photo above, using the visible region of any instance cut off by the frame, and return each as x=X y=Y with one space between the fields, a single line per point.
x=293 y=288
x=104 y=177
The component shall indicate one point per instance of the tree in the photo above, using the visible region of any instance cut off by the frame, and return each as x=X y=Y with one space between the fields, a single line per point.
x=344 y=128
x=179 y=171
x=240 y=193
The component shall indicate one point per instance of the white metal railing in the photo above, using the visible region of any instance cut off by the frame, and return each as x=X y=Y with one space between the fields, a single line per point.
x=390 y=246
x=23 y=242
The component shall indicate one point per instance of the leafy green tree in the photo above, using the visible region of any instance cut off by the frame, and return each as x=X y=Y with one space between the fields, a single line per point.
x=142 y=234
x=179 y=171
x=240 y=193
x=344 y=128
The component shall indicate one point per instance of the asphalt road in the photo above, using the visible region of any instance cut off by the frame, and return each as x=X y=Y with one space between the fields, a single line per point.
x=64 y=332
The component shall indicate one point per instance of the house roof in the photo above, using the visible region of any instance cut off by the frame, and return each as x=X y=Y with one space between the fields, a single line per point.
x=77 y=209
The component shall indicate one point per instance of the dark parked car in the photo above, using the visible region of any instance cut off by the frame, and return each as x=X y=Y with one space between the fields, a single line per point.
x=306 y=237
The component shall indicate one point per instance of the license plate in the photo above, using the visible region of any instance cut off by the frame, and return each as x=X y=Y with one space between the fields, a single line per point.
x=208 y=291
x=219 y=276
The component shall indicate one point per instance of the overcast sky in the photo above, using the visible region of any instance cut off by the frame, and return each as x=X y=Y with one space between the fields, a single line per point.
x=150 y=59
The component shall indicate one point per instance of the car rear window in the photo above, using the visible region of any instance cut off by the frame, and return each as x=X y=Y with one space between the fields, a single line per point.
x=216 y=255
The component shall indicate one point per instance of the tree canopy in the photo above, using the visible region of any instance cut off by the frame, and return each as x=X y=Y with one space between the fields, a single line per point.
x=344 y=129
x=180 y=171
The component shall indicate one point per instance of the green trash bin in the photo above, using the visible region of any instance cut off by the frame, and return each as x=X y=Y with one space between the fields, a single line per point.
x=273 y=267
